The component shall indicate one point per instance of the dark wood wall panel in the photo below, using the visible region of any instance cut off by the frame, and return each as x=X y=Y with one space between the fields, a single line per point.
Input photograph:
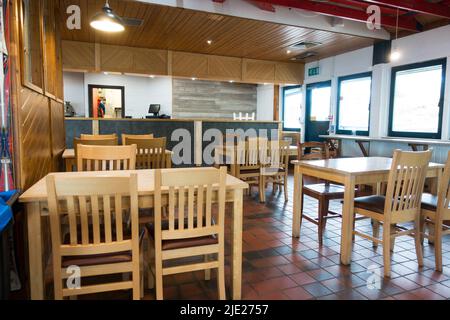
x=58 y=141
x=36 y=150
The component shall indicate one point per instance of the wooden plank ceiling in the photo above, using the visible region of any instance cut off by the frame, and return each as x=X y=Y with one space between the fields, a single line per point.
x=187 y=30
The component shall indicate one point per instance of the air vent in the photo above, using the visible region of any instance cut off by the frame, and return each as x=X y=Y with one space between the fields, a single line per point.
x=132 y=22
x=305 y=55
x=302 y=45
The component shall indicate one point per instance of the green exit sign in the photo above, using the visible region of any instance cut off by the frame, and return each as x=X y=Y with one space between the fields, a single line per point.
x=313 y=71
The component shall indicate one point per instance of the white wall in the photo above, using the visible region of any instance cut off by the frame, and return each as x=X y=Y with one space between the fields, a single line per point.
x=264 y=102
x=139 y=92
x=429 y=45
x=74 y=92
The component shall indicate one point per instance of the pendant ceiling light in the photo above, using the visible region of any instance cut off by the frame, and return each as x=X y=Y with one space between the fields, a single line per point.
x=107 y=20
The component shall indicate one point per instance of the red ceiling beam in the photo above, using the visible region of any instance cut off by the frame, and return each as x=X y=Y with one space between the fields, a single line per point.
x=435 y=9
x=263 y=5
x=405 y=23
x=364 y=5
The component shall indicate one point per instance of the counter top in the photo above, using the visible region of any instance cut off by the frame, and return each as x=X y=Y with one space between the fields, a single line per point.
x=173 y=120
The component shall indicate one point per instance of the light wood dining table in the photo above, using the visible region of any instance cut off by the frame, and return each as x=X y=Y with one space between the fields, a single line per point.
x=35 y=200
x=70 y=161
x=350 y=172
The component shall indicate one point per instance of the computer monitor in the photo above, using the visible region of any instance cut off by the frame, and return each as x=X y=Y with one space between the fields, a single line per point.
x=154 y=108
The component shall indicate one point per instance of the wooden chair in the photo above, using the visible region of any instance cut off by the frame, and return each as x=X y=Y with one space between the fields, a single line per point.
x=151 y=153
x=275 y=167
x=322 y=191
x=248 y=162
x=101 y=158
x=436 y=210
x=292 y=136
x=192 y=233
x=135 y=136
x=111 y=141
x=90 y=233
x=97 y=136
x=401 y=204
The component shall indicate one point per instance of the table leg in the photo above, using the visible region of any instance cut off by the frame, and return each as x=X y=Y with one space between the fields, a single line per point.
x=347 y=220
x=298 y=198
x=168 y=160
x=236 y=265
x=33 y=212
x=69 y=164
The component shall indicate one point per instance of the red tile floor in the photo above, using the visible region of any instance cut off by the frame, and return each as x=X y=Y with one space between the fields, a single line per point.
x=277 y=266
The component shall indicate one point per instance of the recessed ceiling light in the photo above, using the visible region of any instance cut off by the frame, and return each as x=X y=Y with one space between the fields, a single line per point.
x=231 y=81
x=105 y=73
x=288 y=51
x=265 y=83
x=193 y=79
x=152 y=76
x=395 y=55
x=209 y=41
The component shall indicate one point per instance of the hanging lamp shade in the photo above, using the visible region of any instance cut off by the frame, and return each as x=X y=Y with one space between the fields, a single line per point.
x=106 y=20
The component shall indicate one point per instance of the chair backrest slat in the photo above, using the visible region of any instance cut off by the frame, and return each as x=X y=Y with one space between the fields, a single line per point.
x=150 y=152
x=406 y=182
x=97 y=136
x=125 y=137
x=92 y=158
x=192 y=195
x=443 y=210
x=95 y=214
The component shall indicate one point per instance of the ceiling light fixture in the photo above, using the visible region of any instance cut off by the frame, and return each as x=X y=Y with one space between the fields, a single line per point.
x=107 y=20
x=152 y=76
x=209 y=42
x=288 y=51
x=193 y=79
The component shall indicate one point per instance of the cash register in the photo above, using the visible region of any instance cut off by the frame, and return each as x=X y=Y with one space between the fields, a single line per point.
x=153 y=110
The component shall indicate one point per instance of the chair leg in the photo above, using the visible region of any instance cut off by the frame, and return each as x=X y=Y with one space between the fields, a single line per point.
x=150 y=262
x=159 y=279
x=431 y=233
x=141 y=273
x=387 y=250
x=417 y=240
x=262 y=189
x=438 y=245
x=323 y=212
x=393 y=231
x=207 y=271
x=285 y=187
x=376 y=232
x=422 y=225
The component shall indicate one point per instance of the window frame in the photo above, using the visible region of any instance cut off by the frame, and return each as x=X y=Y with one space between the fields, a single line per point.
x=282 y=106
x=424 y=135
x=338 y=103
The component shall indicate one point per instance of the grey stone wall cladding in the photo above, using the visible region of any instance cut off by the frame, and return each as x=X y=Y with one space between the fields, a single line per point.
x=211 y=99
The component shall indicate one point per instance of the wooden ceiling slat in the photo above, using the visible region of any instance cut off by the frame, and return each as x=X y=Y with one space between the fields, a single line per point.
x=186 y=30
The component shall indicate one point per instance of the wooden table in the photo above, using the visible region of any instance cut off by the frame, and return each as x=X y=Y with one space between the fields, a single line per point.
x=70 y=161
x=35 y=200
x=349 y=172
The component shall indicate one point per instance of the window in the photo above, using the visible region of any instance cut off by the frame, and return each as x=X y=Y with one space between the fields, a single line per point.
x=292 y=109
x=417 y=94
x=353 y=105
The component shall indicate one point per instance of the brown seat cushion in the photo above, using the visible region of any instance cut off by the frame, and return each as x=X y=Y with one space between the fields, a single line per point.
x=89 y=260
x=429 y=201
x=323 y=188
x=372 y=203
x=181 y=243
x=97 y=259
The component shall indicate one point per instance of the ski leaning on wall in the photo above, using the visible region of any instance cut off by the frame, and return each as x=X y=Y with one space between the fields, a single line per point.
x=7 y=173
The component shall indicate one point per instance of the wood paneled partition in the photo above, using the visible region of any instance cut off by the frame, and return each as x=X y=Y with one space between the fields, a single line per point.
x=37 y=93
